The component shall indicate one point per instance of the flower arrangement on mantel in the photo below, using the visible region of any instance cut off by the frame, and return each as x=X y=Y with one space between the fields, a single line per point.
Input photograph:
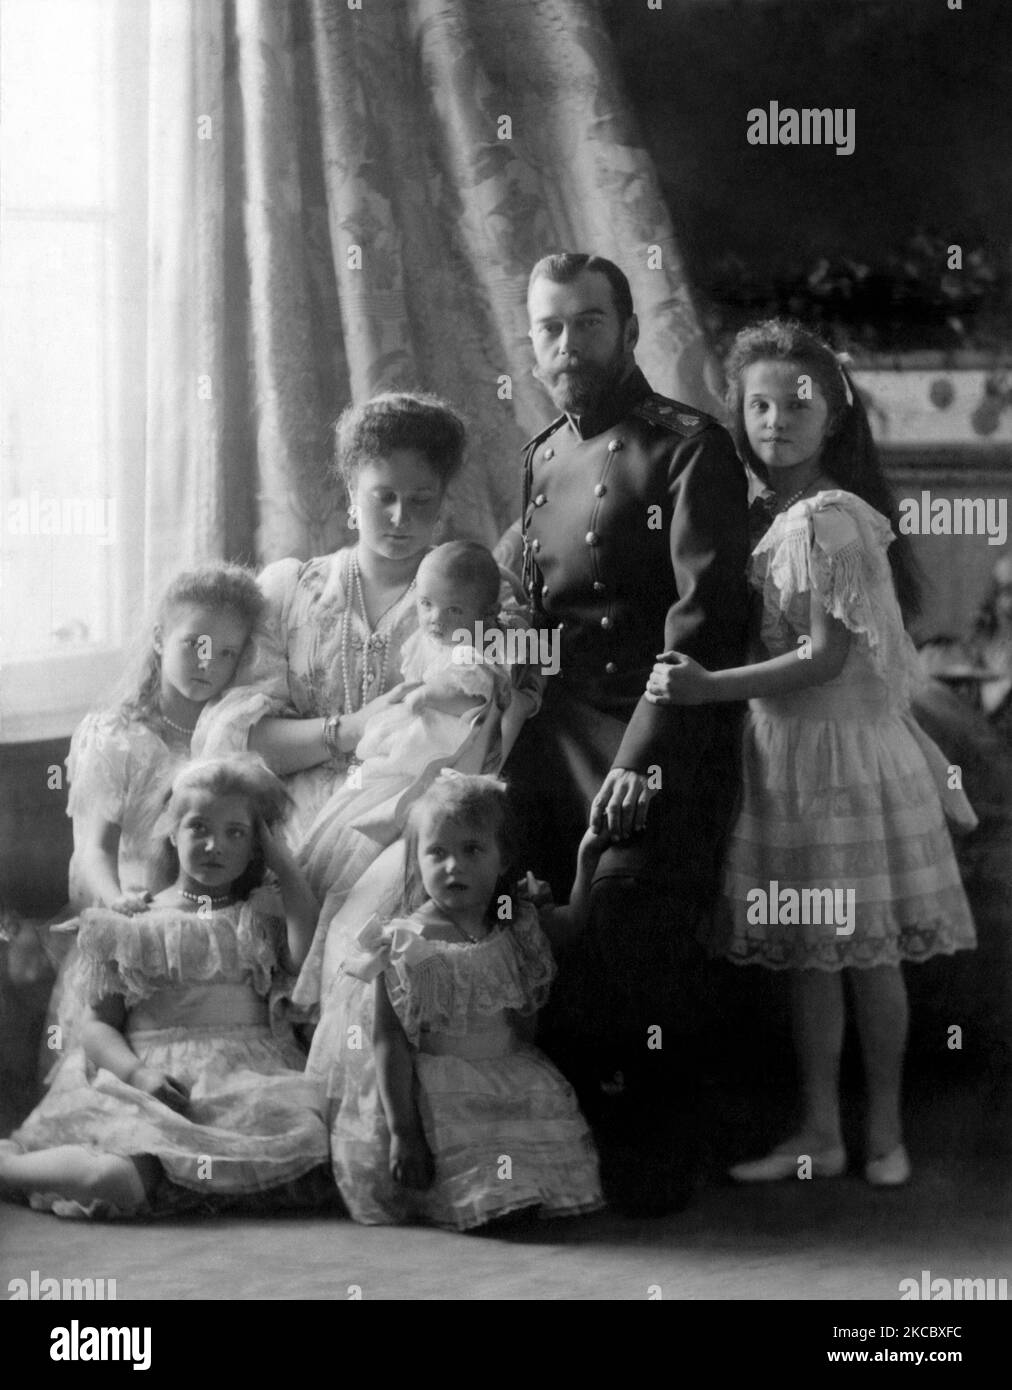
x=908 y=307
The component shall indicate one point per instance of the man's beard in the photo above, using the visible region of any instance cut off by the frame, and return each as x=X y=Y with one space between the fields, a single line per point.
x=578 y=389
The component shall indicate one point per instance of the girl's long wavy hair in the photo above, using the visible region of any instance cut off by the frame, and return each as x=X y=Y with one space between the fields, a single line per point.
x=480 y=802
x=218 y=586
x=243 y=774
x=849 y=454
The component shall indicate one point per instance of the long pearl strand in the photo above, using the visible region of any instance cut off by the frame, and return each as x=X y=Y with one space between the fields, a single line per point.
x=375 y=640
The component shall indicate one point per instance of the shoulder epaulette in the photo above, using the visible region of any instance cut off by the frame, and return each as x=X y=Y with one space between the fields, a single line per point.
x=540 y=438
x=672 y=415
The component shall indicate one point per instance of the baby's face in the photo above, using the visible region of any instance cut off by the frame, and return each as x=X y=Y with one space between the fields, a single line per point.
x=445 y=607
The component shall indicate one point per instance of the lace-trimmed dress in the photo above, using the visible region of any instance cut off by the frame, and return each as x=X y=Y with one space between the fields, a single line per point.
x=121 y=770
x=502 y=1123
x=197 y=990
x=841 y=788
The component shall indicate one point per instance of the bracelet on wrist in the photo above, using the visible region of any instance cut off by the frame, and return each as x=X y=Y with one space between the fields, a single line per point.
x=332 y=734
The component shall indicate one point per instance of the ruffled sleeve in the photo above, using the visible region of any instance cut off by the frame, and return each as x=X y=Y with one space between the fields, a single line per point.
x=439 y=986
x=98 y=768
x=836 y=546
x=260 y=687
x=134 y=957
x=376 y=945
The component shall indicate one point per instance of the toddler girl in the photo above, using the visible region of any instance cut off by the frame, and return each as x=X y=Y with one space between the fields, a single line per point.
x=840 y=859
x=445 y=1114
x=190 y=1101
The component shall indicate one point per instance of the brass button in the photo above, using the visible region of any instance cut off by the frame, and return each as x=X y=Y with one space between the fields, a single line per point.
x=610 y=668
x=598 y=587
x=548 y=454
x=606 y=622
x=535 y=545
x=544 y=590
x=591 y=538
x=614 y=445
x=540 y=500
x=600 y=490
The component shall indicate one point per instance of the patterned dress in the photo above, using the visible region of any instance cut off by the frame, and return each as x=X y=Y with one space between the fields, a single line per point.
x=842 y=791
x=501 y=1122
x=197 y=988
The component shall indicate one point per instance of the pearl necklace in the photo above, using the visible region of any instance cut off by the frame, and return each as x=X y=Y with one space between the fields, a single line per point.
x=177 y=728
x=788 y=502
x=375 y=639
x=205 y=897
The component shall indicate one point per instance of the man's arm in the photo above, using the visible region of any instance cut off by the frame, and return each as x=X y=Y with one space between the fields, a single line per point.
x=709 y=549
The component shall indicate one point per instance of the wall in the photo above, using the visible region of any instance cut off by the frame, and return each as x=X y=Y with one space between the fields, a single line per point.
x=35 y=832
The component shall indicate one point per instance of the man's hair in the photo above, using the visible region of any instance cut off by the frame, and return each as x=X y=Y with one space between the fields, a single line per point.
x=565 y=266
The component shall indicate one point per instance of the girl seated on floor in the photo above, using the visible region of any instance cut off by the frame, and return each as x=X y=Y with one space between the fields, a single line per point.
x=444 y=1113
x=190 y=1101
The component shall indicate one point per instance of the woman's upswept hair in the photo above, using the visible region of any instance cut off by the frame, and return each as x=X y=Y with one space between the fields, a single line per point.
x=218 y=586
x=241 y=774
x=399 y=420
x=478 y=801
x=849 y=455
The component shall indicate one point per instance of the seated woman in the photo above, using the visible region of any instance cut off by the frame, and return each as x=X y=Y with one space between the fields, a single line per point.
x=332 y=640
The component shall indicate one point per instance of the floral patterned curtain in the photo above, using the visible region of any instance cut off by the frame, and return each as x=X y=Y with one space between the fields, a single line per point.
x=347 y=198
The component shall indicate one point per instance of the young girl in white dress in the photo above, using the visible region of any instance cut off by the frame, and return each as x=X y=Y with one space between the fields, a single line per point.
x=840 y=859
x=124 y=756
x=449 y=715
x=190 y=1100
x=444 y=1113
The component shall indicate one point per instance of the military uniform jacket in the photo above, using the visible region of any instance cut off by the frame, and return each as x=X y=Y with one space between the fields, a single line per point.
x=636 y=542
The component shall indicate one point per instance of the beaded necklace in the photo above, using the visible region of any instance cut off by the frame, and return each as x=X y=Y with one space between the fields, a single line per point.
x=375 y=639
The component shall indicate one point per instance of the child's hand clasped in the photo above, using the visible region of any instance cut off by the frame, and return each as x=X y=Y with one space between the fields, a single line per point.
x=130 y=904
x=678 y=680
x=411 y=1162
x=164 y=1088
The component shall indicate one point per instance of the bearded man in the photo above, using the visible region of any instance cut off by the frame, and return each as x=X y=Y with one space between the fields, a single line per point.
x=635 y=532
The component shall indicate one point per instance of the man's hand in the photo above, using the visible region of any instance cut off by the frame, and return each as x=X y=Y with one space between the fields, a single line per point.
x=620 y=807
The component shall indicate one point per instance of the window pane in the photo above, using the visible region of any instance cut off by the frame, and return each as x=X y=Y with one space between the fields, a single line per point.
x=59 y=522
x=51 y=102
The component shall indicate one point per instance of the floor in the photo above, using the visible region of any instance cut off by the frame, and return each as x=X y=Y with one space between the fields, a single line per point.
x=799 y=1240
